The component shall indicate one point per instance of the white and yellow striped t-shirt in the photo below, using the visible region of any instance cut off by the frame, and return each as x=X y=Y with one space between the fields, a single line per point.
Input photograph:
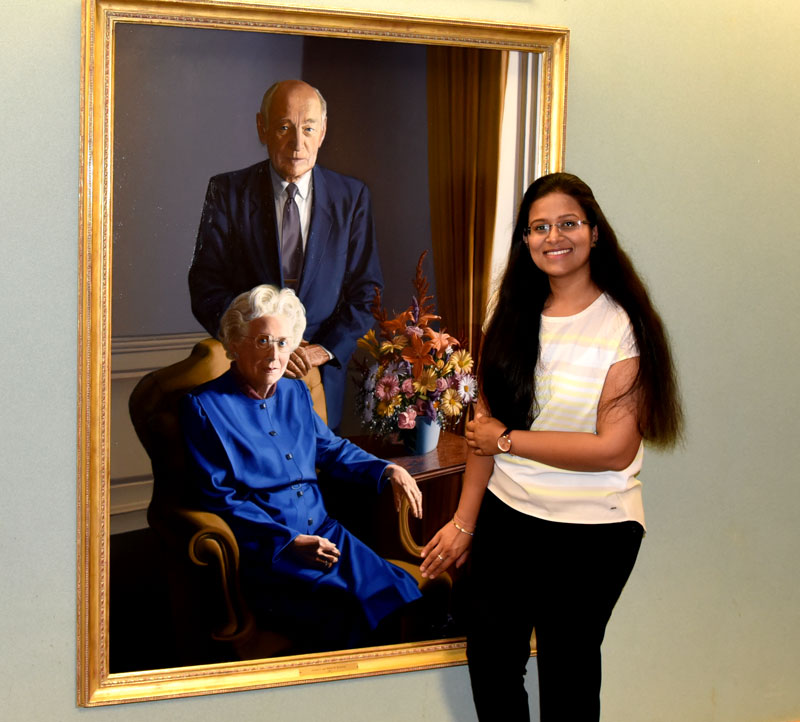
x=575 y=355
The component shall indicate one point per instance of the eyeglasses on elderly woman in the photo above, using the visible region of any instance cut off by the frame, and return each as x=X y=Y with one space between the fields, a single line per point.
x=263 y=342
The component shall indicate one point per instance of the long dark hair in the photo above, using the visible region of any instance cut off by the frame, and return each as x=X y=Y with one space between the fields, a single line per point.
x=511 y=343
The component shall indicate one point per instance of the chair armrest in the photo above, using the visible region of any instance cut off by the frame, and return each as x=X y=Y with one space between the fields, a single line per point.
x=208 y=541
x=208 y=528
x=406 y=537
x=179 y=525
x=213 y=544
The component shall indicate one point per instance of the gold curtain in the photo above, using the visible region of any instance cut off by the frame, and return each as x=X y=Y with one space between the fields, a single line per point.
x=465 y=108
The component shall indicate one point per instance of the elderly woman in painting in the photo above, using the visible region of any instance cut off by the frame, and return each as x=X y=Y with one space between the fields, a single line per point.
x=255 y=444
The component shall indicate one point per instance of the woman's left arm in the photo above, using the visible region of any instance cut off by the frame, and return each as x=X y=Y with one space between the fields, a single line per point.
x=613 y=446
x=344 y=460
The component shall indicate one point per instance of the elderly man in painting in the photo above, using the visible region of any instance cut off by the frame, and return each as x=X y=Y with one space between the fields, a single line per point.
x=255 y=444
x=288 y=222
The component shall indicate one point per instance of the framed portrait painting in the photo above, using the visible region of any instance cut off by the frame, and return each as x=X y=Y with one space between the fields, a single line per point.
x=169 y=96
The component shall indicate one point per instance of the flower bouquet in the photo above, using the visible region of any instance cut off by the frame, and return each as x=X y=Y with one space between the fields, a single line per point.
x=418 y=374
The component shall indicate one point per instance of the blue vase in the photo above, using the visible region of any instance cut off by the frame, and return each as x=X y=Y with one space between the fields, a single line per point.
x=423 y=437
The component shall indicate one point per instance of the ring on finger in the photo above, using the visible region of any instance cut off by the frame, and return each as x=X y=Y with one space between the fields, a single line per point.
x=440 y=557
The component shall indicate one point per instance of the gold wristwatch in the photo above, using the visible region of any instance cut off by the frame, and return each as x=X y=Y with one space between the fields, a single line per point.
x=504 y=442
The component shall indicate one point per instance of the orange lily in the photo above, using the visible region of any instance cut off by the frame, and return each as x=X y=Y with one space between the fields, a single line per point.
x=417 y=353
x=389 y=327
x=440 y=340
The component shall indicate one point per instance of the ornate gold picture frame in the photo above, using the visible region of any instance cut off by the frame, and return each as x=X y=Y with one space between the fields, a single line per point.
x=97 y=685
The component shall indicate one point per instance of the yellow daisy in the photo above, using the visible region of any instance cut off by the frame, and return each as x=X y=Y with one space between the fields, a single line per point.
x=462 y=361
x=426 y=382
x=450 y=403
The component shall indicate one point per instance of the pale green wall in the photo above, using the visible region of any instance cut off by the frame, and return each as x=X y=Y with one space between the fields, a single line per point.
x=682 y=116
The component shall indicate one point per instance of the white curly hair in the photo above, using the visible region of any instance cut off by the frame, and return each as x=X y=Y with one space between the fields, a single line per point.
x=264 y=300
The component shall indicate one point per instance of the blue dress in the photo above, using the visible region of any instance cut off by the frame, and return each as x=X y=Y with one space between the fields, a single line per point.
x=254 y=463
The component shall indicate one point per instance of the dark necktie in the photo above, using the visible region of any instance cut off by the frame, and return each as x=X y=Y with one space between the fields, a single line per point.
x=291 y=240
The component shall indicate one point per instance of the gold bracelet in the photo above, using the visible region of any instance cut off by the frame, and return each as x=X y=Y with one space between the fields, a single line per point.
x=461 y=528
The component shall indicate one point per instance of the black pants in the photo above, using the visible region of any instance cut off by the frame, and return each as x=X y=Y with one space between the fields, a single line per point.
x=562 y=579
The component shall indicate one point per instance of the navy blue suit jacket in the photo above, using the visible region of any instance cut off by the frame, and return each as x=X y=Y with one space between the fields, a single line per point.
x=238 y=248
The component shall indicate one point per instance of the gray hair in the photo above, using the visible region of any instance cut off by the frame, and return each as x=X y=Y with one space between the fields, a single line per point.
x=264 y=300
x=267 y=99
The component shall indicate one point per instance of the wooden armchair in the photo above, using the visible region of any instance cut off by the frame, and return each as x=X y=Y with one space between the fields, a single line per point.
x=212 y=619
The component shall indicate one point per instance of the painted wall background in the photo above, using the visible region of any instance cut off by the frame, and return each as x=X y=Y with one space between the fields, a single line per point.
x=682 y=116
x=185 y=107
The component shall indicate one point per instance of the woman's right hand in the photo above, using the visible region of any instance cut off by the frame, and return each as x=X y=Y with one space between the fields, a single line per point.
x=315 y=551
x=452 y=544
x=449 y=546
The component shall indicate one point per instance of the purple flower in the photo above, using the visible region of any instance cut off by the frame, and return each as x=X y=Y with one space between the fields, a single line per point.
x=415 y=308
x=369 y=381
x=425 y=408
x=369 y=409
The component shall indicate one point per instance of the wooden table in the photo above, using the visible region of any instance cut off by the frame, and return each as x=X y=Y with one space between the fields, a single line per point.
x=439 y=475
x=449 y=457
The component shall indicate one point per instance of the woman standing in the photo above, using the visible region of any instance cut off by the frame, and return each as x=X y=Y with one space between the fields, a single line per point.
x=575 y=372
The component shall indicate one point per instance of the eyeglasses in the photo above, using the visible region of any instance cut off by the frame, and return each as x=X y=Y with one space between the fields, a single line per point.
x=543 y=229
x=263 y=342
